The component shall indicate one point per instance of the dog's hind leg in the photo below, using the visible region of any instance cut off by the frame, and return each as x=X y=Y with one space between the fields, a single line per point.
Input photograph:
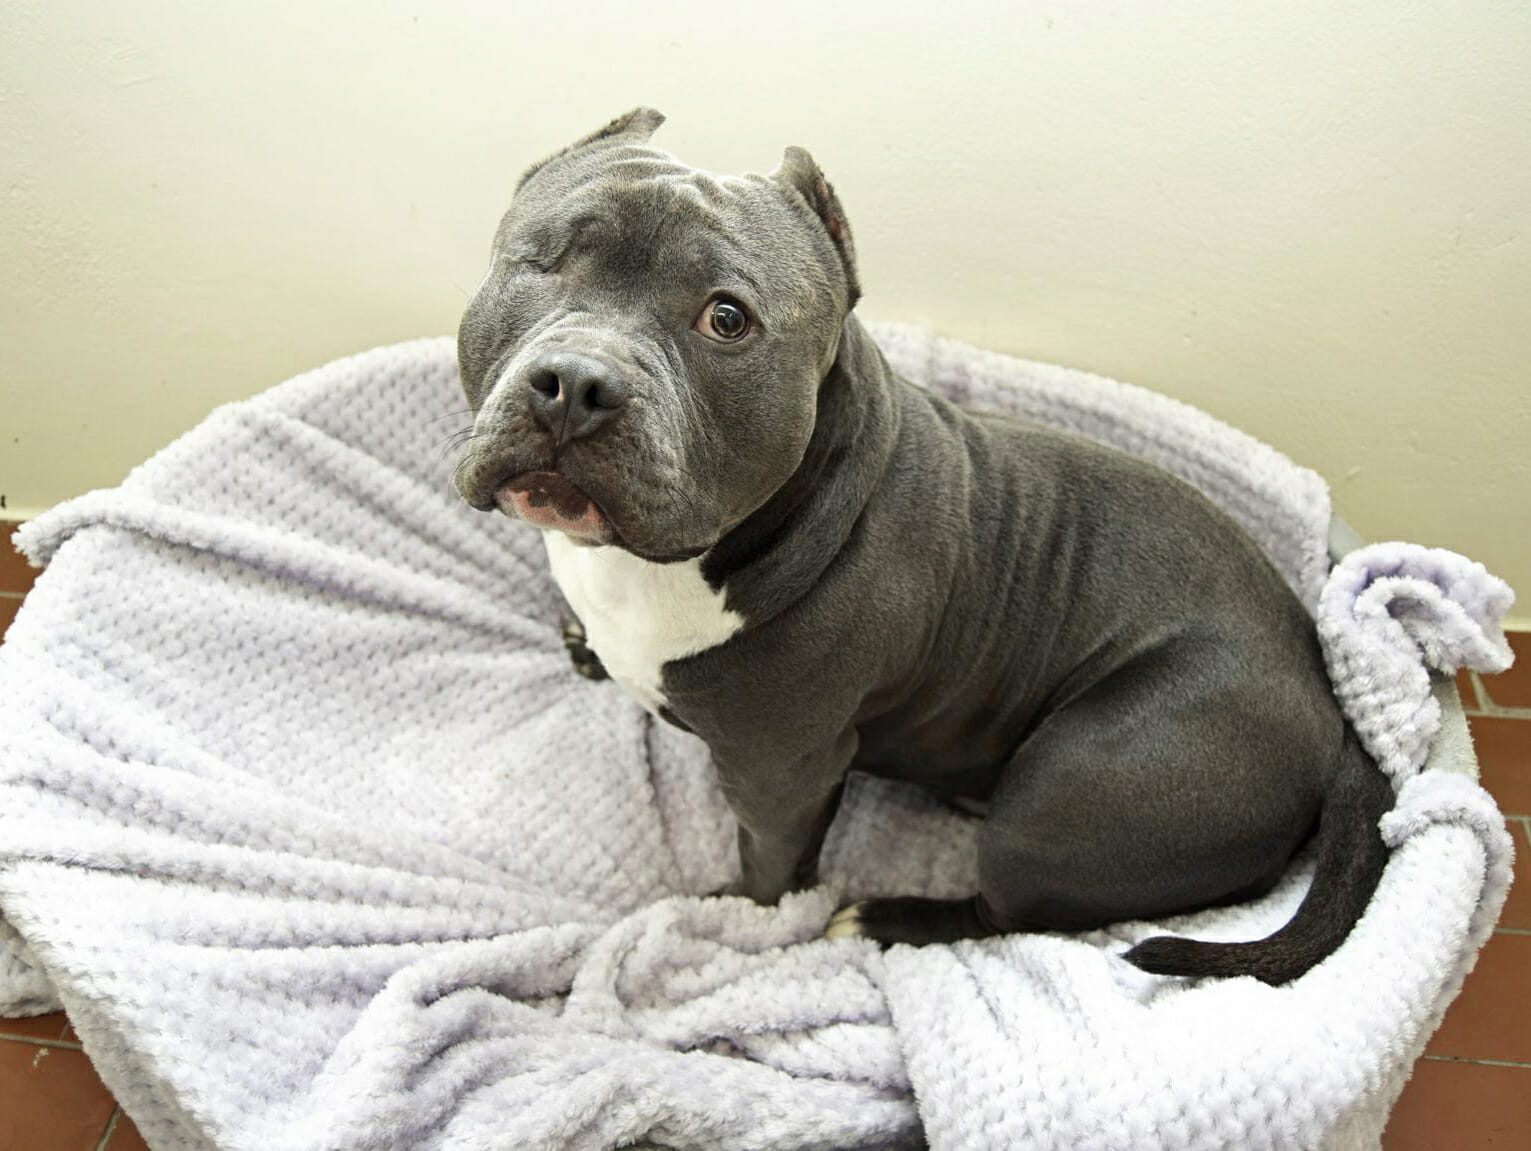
x=1131 y=803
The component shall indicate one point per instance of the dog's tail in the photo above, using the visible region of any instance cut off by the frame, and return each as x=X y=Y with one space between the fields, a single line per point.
x=1351 y=856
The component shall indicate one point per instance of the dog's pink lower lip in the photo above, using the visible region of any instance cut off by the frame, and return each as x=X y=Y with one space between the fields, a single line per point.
x=550 y=500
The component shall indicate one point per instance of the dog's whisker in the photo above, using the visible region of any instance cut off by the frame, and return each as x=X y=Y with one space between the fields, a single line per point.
x=454 y=442
x=454 y=414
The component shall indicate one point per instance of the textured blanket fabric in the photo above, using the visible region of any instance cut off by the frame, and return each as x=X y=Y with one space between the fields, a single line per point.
x=308 y=823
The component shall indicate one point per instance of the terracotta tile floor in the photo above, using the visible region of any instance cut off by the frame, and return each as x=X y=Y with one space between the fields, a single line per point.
x=1471 y=1090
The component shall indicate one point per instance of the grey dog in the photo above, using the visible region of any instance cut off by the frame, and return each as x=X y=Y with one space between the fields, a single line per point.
x=816 y=566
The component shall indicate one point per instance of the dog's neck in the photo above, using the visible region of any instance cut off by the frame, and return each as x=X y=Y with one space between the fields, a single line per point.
x=779 y=551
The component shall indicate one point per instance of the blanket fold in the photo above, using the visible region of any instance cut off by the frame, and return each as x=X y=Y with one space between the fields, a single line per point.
x=1389 y=613
x=306 y=820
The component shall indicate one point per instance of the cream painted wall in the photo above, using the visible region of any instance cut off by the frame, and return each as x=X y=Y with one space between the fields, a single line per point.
x=1310 y=219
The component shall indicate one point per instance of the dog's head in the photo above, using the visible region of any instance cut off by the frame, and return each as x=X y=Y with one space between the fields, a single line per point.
x=644 y=357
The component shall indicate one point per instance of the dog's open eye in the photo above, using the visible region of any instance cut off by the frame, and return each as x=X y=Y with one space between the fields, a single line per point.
x=723 y=319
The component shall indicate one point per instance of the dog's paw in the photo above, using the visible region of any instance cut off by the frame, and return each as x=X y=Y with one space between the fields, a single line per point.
x=585 y=661
x=845 y=923
x=909 y=919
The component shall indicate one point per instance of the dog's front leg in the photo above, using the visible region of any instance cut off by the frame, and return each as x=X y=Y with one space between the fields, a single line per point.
x=784 y=812
x=783 y=856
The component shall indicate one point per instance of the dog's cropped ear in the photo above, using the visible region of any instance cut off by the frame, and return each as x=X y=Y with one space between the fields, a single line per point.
x=633 y=128
x=799 y=172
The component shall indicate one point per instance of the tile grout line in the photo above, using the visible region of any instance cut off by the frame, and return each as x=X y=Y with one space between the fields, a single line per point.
x=61 y=1044
x=1478 y=693
x=1483 y=703
x=1472 y=1061
x=1495 y=711
x=111 y=1126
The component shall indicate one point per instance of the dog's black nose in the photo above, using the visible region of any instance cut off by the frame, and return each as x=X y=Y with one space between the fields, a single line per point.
x=573 y=395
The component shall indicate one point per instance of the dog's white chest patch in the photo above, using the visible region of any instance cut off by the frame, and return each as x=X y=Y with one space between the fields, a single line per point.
x=639 y=615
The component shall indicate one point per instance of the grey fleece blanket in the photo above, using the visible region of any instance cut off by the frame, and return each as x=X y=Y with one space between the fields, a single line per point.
x=306 y=820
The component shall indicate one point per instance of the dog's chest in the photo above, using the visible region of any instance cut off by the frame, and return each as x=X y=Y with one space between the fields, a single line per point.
x=639 y=615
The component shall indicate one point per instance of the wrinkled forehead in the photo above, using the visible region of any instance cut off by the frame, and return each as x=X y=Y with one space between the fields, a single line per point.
x=651 y=212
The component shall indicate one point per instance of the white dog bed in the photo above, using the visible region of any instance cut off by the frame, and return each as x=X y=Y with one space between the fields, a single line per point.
x=314 y=832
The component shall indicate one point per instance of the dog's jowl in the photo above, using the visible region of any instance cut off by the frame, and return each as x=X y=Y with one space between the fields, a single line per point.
x=817 y=566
